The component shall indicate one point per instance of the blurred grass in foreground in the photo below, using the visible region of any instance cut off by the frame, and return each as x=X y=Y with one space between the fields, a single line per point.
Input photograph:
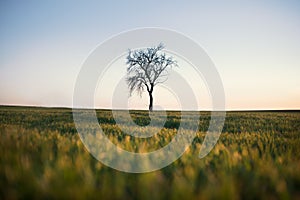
x=41 y=156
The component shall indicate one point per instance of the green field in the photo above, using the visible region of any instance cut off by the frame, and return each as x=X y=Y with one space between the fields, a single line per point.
x=41 y=156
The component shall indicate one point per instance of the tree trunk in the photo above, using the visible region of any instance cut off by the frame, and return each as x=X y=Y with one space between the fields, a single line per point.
x=151 y=102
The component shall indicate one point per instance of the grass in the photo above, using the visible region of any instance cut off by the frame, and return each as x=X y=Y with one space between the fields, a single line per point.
x=41 y=156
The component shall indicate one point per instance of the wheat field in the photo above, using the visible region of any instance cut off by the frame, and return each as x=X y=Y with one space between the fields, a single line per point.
x=41 y=156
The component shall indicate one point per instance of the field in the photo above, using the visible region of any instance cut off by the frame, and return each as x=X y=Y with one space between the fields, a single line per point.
x=41 y=156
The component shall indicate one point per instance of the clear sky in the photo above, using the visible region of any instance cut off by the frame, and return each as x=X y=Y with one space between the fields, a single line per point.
x=255 y=46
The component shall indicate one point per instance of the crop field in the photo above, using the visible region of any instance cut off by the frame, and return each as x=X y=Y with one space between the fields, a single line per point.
x=42 y=156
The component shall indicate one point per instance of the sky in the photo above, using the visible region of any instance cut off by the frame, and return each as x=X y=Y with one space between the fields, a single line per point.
x=255 y=46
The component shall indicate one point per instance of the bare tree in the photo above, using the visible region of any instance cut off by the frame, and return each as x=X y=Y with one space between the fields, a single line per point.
x=146 y=68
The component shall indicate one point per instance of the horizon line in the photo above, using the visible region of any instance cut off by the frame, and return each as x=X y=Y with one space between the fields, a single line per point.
x=207 y=110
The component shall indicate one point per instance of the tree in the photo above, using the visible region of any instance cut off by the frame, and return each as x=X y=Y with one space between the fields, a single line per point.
x=146 y=68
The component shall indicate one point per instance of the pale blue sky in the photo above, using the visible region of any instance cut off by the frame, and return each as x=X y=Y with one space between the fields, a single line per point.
x=255 y=45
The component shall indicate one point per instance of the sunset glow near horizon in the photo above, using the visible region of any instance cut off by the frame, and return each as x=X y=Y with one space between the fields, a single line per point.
x=254 y=45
